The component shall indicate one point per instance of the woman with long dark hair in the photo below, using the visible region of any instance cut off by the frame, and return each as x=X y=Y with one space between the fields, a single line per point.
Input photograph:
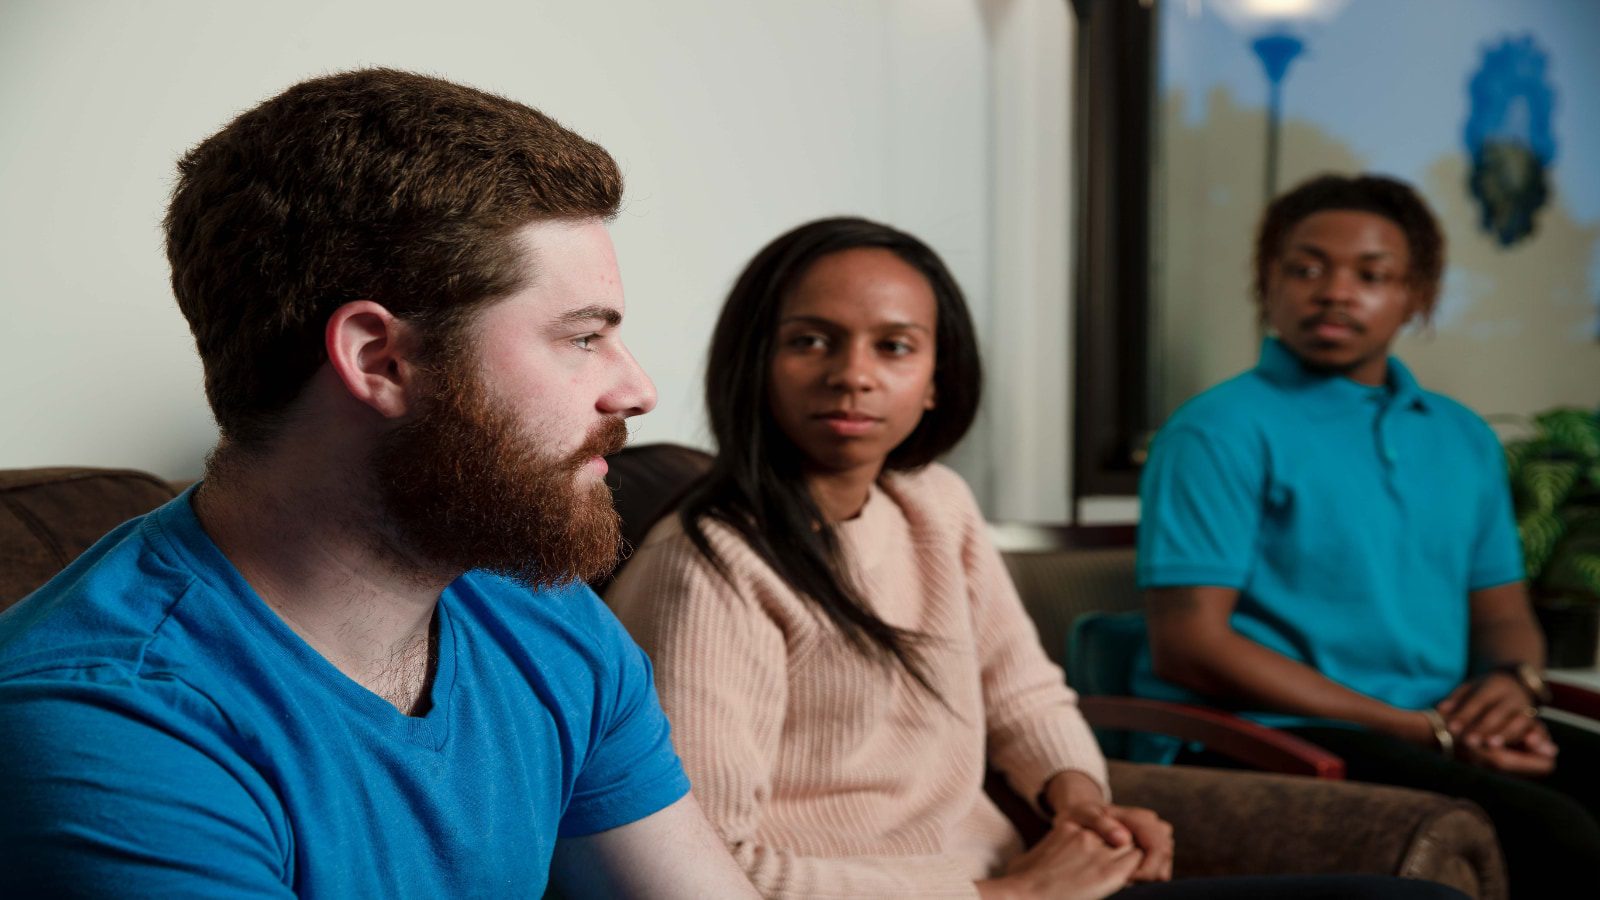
x=836 y=640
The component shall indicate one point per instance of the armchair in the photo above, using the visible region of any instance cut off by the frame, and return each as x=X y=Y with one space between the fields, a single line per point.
x=1101 y=646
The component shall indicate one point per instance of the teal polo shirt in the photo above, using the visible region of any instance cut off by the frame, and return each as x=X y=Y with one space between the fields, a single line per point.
x=1352 y=519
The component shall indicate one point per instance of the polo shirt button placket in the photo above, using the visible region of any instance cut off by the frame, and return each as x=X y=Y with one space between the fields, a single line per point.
x=1388 y=456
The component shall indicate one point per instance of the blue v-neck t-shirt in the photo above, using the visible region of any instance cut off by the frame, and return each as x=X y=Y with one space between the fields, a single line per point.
x=164 y=733
x=1353 y=520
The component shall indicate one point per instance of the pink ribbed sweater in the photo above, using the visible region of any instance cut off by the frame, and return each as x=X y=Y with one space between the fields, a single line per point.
x=828 y=774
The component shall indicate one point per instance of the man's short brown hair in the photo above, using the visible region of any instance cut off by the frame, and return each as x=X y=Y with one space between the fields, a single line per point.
x=374 y=184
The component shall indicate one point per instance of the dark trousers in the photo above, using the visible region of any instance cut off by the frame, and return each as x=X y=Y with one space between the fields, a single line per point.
x=1549 y=828
x=1295 y=887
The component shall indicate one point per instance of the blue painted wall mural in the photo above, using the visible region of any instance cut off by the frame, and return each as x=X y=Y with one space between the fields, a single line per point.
x=1509 y=137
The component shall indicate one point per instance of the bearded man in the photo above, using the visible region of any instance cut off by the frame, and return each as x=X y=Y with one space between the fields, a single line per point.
x=357 y=658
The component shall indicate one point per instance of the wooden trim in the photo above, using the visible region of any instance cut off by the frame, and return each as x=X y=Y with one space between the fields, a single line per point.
x=1575 y=699
x=1258 y=746
x=1014 y=538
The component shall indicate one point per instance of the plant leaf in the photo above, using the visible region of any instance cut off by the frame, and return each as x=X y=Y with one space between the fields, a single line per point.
x=1573 y=572
x=1575 y=431
x=1540 y=532
x=1543 y=484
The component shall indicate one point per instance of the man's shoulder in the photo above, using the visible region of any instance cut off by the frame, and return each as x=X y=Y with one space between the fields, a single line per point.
x=97 y=655
x=1242 y=415
x=1460 y=430
x=1455 y=412
x=1246 y=399
x=102 y=609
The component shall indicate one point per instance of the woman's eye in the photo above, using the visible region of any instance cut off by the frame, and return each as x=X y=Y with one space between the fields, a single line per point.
x=808 y=341
x=1375 y=277
x=897 y=347
x=1302 y=270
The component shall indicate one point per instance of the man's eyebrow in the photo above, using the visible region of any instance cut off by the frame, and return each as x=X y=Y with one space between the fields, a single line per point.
x=609 y=315
x=1310 y=250
x=1318 y=252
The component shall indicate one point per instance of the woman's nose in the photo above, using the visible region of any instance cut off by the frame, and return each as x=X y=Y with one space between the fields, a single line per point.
x=852 y=371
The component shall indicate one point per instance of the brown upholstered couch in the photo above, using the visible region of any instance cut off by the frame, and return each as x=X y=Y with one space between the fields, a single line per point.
x=1227 y=823
x=49 y=516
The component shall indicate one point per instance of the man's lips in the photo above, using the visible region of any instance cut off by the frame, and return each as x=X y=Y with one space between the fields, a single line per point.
x=607 y=438
x=1332 y=327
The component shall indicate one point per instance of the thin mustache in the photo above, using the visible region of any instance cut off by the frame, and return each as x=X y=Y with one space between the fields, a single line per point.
x=1337 y=318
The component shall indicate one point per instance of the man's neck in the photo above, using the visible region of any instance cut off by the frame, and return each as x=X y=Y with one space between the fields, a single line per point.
x=1371 y=372
x=309 y=548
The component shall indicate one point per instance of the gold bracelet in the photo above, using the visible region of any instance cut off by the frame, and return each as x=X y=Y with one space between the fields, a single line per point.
x=1441 y=733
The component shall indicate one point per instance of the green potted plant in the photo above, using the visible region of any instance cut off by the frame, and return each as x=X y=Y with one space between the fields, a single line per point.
x=1555 y=483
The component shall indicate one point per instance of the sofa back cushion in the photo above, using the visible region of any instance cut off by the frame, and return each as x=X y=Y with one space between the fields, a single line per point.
x=49 y=516
x=647 y=481
x=1058 y=586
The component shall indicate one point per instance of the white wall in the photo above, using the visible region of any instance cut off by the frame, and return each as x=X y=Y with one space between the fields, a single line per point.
x=732 y=121
x=1027 y=414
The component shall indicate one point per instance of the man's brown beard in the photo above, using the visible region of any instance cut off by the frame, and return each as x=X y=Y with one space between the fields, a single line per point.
x=463 y=488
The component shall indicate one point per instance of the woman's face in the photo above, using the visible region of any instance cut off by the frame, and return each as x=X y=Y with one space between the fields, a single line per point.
x=852 y=368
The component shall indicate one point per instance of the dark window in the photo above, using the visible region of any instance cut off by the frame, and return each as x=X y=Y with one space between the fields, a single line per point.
x=1113 y=154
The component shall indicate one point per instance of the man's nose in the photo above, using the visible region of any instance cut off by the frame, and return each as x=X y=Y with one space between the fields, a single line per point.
x=634 y=393
x=1340 y=285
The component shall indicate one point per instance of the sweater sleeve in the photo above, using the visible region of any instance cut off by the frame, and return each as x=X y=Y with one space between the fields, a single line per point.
x=1031 y=716
x=721 y=662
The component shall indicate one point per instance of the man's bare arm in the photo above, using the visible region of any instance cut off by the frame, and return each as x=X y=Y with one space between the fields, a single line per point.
x=1503 y=627
x=1193 y=645
x=668 y=855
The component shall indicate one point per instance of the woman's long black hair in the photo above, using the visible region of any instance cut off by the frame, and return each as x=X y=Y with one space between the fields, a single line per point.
x=756 y=486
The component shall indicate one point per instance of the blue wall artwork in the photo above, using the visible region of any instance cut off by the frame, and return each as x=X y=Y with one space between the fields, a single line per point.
x=1509 y=138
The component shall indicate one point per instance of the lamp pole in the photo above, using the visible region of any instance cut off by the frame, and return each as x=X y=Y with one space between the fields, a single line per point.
x=1276 y=52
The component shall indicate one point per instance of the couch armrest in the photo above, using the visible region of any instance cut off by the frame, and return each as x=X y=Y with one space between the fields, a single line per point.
x=1254 y=745
x=1577 y=699
x=1233 y=823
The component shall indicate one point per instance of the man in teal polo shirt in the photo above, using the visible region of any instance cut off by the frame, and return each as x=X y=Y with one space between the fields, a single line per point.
x=1330 y=548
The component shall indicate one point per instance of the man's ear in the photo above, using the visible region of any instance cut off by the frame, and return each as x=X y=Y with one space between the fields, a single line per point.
x=1417 y=306
x=373 y=355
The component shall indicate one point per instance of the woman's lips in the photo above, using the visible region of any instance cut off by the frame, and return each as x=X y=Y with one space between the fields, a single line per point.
x=849 y=424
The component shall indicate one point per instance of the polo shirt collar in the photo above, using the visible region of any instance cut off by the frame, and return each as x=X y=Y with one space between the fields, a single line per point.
x=1279 y=365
